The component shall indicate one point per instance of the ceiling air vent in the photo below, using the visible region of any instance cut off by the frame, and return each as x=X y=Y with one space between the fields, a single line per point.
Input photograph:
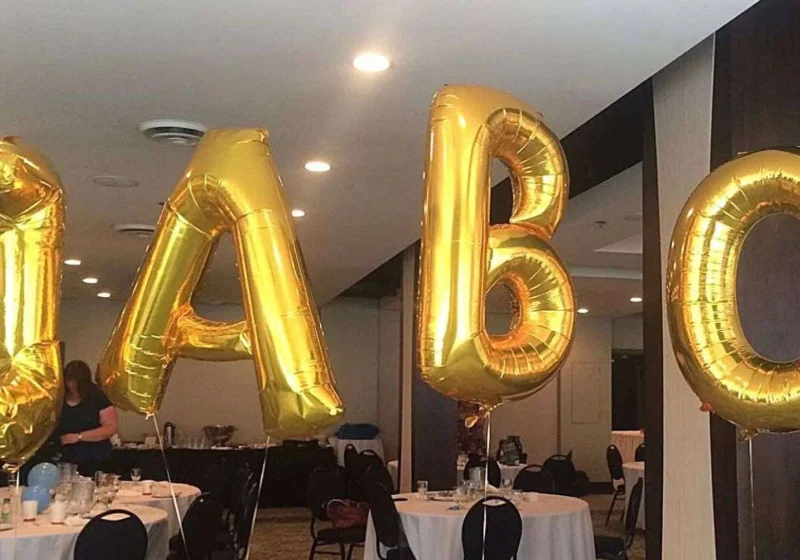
x=143 y=231
x=173 y=132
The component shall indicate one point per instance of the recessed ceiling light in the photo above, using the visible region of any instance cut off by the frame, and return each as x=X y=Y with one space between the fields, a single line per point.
x=115 y=181
x=636 y=299
x=297 y=213
x=72 y=262
x=583 y=310
x=371 y=62
x=317 y=166
x=173 y=132
x=104 y=295
x=90 y=280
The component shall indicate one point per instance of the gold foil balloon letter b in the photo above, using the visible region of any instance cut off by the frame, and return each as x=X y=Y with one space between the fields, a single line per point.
x=463 y=258
x=707 y=337
x=231 y=185
x=31 y=228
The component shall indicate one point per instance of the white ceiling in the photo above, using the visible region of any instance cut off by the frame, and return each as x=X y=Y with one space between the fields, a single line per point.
x=77 y=77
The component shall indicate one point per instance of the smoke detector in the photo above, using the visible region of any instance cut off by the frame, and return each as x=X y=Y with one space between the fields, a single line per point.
x=143 y=231
x=173 y=132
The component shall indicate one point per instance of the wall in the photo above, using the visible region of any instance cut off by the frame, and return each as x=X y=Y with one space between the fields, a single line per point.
x=627 y=333
x=389 y=327
x=203 y=393
x=585 y=391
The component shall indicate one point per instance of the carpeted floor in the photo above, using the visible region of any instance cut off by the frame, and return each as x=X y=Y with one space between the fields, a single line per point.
x=282 y=534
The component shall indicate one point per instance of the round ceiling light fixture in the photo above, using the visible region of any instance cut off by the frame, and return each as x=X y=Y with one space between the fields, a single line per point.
x=371 y=62
x=317 y=166
x=104 y=295
x=173 y=132
x=583 y=310
x=115 y=181
x=90 y=280
x=298 y=213
x=636 y=299
x=142 y=231
x=72 y=262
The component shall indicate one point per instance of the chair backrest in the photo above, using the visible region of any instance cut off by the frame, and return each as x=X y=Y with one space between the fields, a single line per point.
x=242 y=480
x=493 y=470
x=614 y=460
x=200 y=526
x=639 y=454
x=563 y=471
x=244 y=525
x=323 y=486
x=350 y=454
x=385 y=518
x=112 y=539
x=380 y=474
x=632 y=513
x=503 y=525
x=533 y=478
x=368 y=458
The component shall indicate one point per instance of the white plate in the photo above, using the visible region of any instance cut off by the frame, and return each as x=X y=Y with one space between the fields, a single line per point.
x=6 y=526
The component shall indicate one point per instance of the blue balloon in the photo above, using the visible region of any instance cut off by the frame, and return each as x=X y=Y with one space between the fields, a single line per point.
x=45 y=475
x=38 y=493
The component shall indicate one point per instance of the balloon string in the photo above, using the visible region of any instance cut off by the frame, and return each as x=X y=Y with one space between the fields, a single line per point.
x=169 y=479
x=752 y=498
x=258 y=499
x=486 y=478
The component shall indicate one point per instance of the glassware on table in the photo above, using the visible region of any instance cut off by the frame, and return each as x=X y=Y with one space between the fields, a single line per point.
x=506 y=487
x=67 y=471
x=477 y=477
x=422 y=488
x=81 y=499
x=98 y=476
x=136 y=475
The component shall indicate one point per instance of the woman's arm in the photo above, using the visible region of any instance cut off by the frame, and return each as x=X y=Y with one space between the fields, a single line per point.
x=108 y=427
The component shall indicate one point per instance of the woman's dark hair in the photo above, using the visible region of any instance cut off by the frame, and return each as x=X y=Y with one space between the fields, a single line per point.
x=82 y=374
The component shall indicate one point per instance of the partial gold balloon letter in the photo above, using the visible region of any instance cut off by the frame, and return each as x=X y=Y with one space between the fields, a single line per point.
x=231 y=185
x=711 y=348
x=463 y=258
x=31 y=230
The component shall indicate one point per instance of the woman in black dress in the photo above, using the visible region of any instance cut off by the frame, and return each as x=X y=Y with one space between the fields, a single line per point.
x=88 y=420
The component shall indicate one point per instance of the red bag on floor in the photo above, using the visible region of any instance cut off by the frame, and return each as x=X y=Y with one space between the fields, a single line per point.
x=347 y=513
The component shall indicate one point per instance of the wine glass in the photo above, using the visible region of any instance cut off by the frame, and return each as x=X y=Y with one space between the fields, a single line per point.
x=136 y=475
x=505 y=488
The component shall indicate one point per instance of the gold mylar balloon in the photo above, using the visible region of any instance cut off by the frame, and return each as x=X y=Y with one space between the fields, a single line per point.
x=231 y=185
x=462 y=258
x=711 y=348
x=31 y=228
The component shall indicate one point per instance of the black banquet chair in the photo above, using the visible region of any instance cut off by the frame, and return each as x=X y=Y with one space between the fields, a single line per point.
x=533 y=478
x=108 y=537
x=325 y=485
x=503 y=525
x=493 y=470
x=569 y=481
x=639 y=454
x=380 y=474
x=616 y=548
x=614 y=460
x=199 y=527
x=390 y=542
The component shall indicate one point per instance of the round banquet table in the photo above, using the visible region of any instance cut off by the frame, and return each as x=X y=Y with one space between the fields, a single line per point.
x=633 y=472
x=41 y=539
x=554 y=528
x=185 y=494
x=627 y=441
x=339 y=445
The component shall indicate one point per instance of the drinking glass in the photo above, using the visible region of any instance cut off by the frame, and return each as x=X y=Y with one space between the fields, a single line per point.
x=422 y=488
x=98 y=477
x=505 y=488
x=136 y=475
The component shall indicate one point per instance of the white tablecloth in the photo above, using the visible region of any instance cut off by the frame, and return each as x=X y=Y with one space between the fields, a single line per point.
x=39 y=539
x=339 y=446
x=627 y=441
x=633 y=472
x=554 y=528
x=185 y=494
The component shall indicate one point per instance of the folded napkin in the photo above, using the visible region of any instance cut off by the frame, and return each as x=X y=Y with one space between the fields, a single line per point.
x=75 y=521
x=123 y=493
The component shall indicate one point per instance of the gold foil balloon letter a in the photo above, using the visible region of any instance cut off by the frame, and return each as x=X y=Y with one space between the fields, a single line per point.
x=231 y=185
x=31 y=228
x=711 y=348
x=463 y=258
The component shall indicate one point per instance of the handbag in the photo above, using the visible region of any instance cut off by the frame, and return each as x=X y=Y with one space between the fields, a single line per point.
x=347 y=513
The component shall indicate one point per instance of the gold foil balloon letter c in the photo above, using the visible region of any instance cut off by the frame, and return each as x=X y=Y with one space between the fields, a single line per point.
x=463 y=258
x=707 y=337
x=31 y=228
x=231 y=185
